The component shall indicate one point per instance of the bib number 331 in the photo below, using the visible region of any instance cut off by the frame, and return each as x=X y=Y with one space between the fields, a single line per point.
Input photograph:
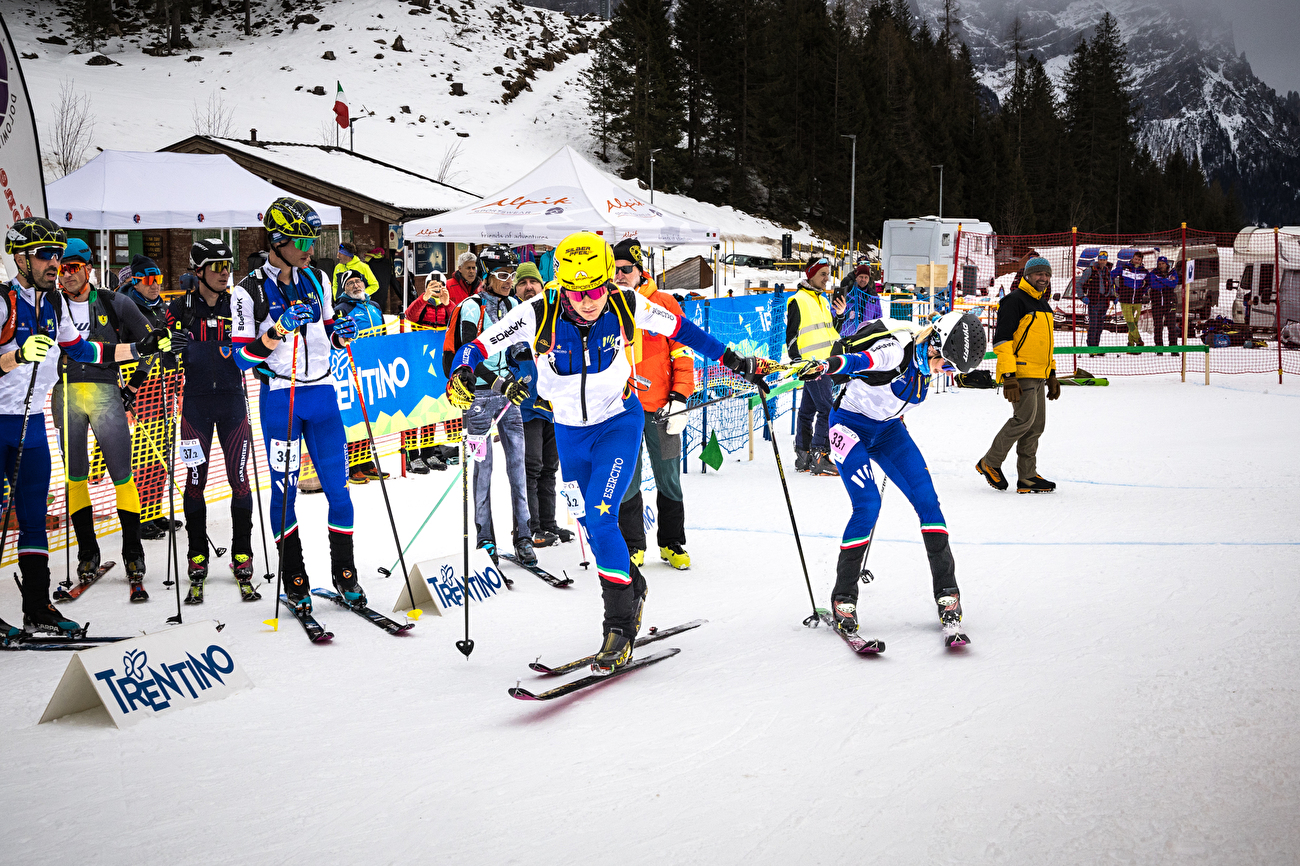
x=842 y=441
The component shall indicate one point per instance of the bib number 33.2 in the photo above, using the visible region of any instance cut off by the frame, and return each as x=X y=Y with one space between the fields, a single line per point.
x=285 y=456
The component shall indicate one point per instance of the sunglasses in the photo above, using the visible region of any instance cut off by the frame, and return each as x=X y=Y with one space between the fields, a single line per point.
x=72 y=267
x=590 y=294
x=625 y=269
x=304 y=244
x=503 y=275
x=150 y=280
x=45 y=254
x=219 y=267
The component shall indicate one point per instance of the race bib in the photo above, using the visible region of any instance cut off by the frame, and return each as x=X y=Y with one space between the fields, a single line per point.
x=284 y=456
x=573 y=499
x=477 y=446
x=842 y=441
x=192 y=453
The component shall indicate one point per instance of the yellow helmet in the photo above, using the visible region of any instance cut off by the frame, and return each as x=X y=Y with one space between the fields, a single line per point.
x=583 y=261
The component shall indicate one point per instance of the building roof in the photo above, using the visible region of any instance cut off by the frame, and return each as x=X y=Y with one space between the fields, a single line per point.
x=337 y=175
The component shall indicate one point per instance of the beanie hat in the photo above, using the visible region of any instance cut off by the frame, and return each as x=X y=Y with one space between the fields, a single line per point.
x=348 y=275
x=863 y=269
x=629 y=251
x=814 y=266
x=1036 y=264
x=526 y=270
x=143 y=266
x=1158 y=261
x=465 y=257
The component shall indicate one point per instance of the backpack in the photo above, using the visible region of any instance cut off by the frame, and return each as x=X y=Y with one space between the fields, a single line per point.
x=869 y=333
x=976 y=379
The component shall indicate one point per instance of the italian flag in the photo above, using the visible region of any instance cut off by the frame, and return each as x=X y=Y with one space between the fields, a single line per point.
x=341 y=107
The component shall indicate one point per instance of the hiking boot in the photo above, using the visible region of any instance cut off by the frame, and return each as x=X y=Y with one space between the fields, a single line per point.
x=417 y=465
x=992 y=474
x=822 y=464
x=675 y=556
x=1037 y=484
x=543 y=538
x=358 y=476
x=372 y=472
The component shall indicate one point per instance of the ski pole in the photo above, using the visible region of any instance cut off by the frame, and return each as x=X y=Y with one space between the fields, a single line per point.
x=387 y=572
x=414 y=612
x=466 y=646
x=257 y=481
x=585 y=562
x=67 y=508
x=171 y=496
x=274 y=623
x=663 y=419
x=39 y=297
x=813 y=620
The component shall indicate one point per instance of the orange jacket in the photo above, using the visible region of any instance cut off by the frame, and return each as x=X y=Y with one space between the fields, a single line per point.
x=666 y=363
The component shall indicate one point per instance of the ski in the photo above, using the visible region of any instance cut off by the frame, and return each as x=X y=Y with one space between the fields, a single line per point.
x=558 y=582
x=569 y=688
x=954 y=638
x=371 y=616
x=61 y=594
x=46 y=646
x=859 y=644
x=138 y=593
x=651 y=636
x=12 y=636
x=316 y=632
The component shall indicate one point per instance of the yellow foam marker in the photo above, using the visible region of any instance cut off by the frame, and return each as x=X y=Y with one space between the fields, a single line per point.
x=414 y=613
x=273 y=623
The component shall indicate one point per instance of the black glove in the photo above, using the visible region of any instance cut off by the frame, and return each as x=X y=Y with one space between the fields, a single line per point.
x=157 y=339
x=515 y=390
x=180 y=340
x=128 y=398
x=751 y=368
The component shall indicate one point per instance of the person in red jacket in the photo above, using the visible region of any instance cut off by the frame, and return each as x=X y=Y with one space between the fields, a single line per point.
x=466 y=281
x=430 y=310
x=664 y=374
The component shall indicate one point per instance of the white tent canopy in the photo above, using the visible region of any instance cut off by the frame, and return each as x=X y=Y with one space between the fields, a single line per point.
x=564 y=194
x=128 y=190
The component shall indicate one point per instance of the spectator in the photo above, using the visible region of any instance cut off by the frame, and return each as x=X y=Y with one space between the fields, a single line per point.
x=866 y=297
x=1023 y=342
x=541 y=458
x=1096 y=292
x=382 y=267
x=1130 y=280
x=433 y=305
x=362 y=310
x=810 y=335
x=1163 y=283
x=466 y=281
x=349 y=261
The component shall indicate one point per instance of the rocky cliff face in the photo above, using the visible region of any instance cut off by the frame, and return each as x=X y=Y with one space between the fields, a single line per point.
x=1196 y=92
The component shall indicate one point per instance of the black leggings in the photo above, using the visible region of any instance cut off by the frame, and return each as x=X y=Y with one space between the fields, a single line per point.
x=225 y=413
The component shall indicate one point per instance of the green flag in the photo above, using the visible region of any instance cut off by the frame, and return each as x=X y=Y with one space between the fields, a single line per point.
x=712 y=453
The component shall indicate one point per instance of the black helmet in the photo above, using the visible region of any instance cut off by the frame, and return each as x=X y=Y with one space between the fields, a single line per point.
x=32 y=233
x=289 y=219
x=496 y=258
x=209 y=250
x=961 y=341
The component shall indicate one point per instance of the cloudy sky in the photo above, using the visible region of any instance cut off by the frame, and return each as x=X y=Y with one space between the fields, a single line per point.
x=1269 y=32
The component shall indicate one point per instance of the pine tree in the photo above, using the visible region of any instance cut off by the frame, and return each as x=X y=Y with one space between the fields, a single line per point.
x=91 y=22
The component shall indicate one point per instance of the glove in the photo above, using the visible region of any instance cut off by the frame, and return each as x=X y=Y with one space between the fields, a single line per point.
x=180 y=341
x=33 y=350
x=345 y=329
x=158 y=340
x=673 y=414
x=460 y=389
x=1011 y=388
x=810 y=370
x=1053 y=386
x=515 y=390
x=294 y=318
x=752 y=369
x=128 y=398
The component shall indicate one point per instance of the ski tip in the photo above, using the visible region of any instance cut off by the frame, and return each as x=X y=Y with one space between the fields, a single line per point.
x=956 y=641
x=539 y=668
x=273 y=623
x=521 y=694
x=325 y=637
x=872 y=647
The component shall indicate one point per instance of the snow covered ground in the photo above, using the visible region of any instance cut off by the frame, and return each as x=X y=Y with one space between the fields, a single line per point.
x=1129 y=696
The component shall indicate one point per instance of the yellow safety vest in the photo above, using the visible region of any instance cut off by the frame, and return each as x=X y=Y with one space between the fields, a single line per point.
x=817 y=334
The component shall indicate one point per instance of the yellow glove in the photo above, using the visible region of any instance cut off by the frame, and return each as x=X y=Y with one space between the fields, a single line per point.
x=34 y=349
x=460 y=390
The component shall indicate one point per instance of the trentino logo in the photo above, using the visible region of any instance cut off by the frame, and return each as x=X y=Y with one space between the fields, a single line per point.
x=142 y=686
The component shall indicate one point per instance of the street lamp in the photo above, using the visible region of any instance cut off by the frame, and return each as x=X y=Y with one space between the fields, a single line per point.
x=853 y=186
x=352 y=120
x=940 y=167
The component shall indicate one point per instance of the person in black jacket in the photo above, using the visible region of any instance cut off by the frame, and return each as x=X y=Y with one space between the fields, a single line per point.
x=90 y=397
x=1097 y=293
x=214 y=400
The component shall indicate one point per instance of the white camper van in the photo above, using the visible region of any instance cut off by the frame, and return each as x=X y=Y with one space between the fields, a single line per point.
x=912 y=242
x=1254 y=248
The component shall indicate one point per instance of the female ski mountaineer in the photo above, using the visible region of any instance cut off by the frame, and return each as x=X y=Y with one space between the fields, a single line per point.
x=580 y=335
x=887 y=368
x=283 y=328
x=34 y=317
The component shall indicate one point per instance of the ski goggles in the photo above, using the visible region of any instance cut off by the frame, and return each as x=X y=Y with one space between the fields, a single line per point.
x=45 y=254
x=589 y=294
x=219 y=267
x=304 y=244
x=503 y=276
x=72 y=267
x=149 y=279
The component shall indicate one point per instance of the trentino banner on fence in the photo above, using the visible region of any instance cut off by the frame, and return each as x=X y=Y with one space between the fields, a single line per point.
x=401 y=381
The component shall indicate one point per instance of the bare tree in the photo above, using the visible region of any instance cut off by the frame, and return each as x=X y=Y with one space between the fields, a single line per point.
x=444 y=173
x=73 y=128
x=214 y=118
x=329 y=133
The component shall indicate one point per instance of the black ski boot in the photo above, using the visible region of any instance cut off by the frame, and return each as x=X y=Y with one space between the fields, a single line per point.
x=821 y=464
x=491 y=548
x=242 y=566
x=845 y=613
x=949 y=603
x=38 y=614
x=135 y=577
x=198 y=573
x=614 y=653
x=297 y=588
x=343 y=569
x=48 y=620
x=802 y=460
x=87 y=565
x=524 y=551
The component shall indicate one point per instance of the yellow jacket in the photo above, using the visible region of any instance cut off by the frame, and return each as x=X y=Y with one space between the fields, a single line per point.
x=1024 y=337
x=372 y=285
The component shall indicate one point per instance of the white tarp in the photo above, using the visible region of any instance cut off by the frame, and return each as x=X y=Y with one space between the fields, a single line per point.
x=564 y=194
x=21 y=181
x=127 y=190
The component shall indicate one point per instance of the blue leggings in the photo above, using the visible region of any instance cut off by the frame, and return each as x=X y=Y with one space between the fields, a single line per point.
x=317 y=420
x=601 y=458
x=890 y=445
x=34 y=482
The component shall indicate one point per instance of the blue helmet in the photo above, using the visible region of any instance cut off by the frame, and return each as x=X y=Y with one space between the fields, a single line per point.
x=77 y=249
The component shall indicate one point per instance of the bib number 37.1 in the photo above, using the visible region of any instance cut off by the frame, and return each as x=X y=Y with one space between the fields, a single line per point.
x=842 y=441
x=284 y=456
